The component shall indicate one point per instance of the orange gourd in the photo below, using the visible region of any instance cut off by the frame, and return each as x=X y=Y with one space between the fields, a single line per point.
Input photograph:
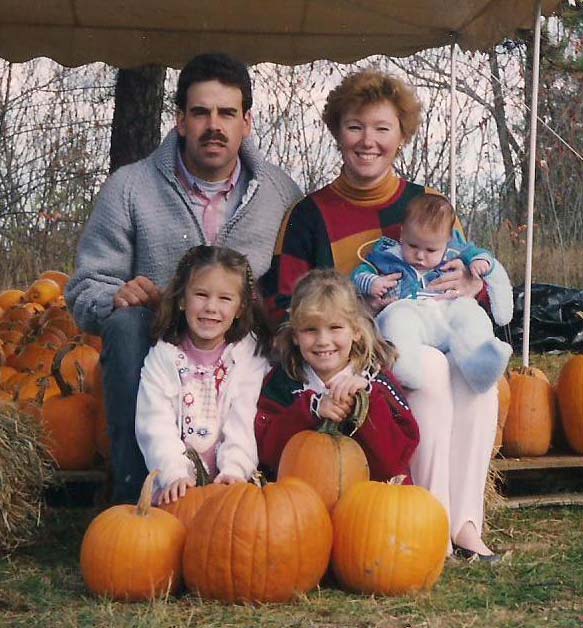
x=529 y=424
x=326 y=459
x=570 y=394
x=133 y=552
x=251 y=544
x=389 y=539
x=43 y=291
x=10 y=297
x=503 y=407
x=60 y=278
x=75 y=362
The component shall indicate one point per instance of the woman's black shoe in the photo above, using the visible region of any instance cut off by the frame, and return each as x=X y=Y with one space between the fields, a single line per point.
x=471 y=556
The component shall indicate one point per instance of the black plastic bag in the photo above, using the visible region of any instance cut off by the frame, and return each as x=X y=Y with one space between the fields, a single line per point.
x=556 y=319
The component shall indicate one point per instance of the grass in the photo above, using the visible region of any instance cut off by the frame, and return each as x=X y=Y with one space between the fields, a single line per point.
x=540 y=582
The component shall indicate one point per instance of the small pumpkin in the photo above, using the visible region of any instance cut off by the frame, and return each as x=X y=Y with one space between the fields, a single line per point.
x=326 y=459
x=10 y=297
x=570 y=394
x=43 y=291
x=389 y=539
x=529 y=424
x=60 y=278
x=133 y=552
x=251 y=544
x=75 y=362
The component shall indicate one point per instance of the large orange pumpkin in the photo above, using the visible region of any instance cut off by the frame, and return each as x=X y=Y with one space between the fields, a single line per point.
x=389 y=539
x=69 y=422
x=529 y=424
x=570 y=393
x=251 y=544
x=133 y=552
x=325 y=459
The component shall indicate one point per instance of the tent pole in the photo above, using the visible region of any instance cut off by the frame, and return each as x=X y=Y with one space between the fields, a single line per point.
x=531 y=182
x=452 y=125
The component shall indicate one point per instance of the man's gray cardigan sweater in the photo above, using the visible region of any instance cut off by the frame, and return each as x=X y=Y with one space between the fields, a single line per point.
x=143 y=223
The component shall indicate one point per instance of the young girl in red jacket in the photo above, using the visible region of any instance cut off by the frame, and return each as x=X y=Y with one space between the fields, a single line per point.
x=329 y=351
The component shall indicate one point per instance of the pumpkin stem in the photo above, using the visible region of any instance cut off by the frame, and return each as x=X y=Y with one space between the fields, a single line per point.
x=202 y=476
x=80 y=376
x=64 y=386
x=258 y=479
x=145 y=501
x=329 y=427
x=43 y=384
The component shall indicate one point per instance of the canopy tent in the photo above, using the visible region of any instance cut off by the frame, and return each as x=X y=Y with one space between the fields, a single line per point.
x=128 y=33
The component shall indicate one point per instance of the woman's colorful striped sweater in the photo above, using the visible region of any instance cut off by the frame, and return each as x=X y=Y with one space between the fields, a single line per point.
x=326 y=229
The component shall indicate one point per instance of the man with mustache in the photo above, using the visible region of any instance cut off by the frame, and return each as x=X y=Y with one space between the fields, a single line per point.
x=205 y=184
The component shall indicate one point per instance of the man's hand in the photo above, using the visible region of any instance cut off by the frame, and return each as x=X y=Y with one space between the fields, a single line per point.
x=457 y=281
x=137 y=291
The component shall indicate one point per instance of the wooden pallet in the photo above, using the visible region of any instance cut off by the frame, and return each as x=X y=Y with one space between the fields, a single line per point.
x=529 y=465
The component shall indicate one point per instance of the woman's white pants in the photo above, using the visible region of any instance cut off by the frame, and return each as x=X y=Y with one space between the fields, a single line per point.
x=457 y=428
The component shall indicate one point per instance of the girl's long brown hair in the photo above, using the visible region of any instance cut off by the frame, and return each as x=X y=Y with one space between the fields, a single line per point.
x=170 y=323
x=324 y=291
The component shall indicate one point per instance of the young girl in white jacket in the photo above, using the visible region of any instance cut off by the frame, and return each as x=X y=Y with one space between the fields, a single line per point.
x=201 y=380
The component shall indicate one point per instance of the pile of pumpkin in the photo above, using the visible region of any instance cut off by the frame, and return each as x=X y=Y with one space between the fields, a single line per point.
x=254 y=542
x=533 y=414
x=50 y=370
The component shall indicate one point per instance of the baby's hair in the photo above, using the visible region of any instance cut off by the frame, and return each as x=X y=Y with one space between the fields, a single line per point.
x=432 y=211
x=171 y=325
x=318 y=295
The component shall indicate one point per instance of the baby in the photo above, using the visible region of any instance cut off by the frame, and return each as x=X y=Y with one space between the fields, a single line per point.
x=420 y=316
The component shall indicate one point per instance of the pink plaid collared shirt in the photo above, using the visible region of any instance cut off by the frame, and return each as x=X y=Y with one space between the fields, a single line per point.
x=210 y=198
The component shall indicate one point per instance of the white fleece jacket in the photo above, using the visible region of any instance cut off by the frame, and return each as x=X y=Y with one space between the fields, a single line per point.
x=159 y=420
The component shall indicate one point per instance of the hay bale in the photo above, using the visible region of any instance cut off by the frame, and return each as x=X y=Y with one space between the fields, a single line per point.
x=25 y=469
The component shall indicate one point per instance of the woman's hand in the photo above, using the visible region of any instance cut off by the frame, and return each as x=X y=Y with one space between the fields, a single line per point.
x=456 y=282
x=225 y=478
x=174 y=490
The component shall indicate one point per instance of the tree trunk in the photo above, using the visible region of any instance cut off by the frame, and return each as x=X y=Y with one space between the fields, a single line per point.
x=135 y=131
x=509 y=193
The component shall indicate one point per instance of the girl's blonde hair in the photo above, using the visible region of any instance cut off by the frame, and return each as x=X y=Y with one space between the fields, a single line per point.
x=324 y=292
x=170 y=323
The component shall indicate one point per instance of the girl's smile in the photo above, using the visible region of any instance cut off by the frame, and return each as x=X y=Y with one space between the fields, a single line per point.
x=212 y=301
x=325 y=344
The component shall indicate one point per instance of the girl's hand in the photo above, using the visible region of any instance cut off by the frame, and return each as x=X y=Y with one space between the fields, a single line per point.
x=174 y=490
x=383 y=283
x=336 y=411
x=344 y=390
x=224 y=478
x=456 y=282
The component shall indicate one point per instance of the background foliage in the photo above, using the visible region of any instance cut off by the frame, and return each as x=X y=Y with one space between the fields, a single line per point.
x=55 y=125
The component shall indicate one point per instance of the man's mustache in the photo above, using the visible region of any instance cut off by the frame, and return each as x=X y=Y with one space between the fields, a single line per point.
x=213 y=136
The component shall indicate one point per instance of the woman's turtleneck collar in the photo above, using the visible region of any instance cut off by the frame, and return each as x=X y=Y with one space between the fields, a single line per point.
x=380 y=193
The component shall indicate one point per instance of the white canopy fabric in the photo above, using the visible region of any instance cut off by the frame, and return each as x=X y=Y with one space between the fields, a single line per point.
x=128 y=33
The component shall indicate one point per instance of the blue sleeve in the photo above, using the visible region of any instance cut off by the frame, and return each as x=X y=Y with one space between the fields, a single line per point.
x=363 y=276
